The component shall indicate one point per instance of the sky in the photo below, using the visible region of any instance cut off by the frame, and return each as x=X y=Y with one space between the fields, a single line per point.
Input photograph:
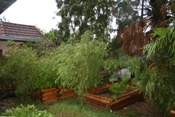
x=39 y=13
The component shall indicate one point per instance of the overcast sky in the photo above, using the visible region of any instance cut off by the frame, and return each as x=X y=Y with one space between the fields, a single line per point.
x=40 y=13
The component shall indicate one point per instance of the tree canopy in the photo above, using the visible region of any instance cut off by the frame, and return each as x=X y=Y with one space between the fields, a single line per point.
x=79 y=16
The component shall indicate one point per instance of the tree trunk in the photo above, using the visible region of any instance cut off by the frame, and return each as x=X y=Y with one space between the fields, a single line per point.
x=142 y=9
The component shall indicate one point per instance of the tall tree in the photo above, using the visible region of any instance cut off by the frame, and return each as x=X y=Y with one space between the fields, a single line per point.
x=79 y=16
x=126 y=12
x=136 y=34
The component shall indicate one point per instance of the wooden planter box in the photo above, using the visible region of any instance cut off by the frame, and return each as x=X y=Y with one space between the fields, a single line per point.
x=49 y=95
x=67 y=93
x=172 y=113
x=93 y=98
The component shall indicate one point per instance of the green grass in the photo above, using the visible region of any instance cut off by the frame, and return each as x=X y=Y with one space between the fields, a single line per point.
x=72 y=108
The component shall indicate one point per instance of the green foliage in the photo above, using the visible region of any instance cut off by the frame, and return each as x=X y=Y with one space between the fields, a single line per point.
x=40 y=48
x=10 y=43
x=119 y=87
x=28 y=111
x=78 y=65
x=78 y=16
x=73 y=65
x=5 y=81
x=21 y=68
x=28 y=71
x=163 y=46
x=113 y=48
x=157 y=74
x=52 y=36
x=46 y=75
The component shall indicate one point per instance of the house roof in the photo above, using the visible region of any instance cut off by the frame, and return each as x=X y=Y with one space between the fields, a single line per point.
x=4 y=4
x=20 y=32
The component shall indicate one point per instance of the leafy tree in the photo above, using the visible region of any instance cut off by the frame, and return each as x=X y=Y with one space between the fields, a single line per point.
x=126 y=12
x=79 y=65
x=52 y=36
x=79 y=16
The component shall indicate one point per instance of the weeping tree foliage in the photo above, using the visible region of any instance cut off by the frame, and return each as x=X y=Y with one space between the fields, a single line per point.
x=78 y=65
x=79 y=16
x=156 y=79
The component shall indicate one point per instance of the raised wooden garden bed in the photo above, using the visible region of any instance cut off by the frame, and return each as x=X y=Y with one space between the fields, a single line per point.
x=49 y=95
x=102 y=89
x=67 y=93
x=98 y=98
x=172 y=113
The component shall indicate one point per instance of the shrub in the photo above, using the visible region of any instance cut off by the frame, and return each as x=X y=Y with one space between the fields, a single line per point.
x=28 y=71
x=119 y=87
x=26 y=111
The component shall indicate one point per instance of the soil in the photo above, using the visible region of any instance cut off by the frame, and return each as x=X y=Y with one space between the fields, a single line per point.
x=142 y=108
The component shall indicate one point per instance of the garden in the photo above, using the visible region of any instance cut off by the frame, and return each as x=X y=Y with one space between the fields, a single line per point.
x=89 y=74
x=77 y=70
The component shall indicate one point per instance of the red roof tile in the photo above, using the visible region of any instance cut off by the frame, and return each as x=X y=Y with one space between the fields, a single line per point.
x=20 y=31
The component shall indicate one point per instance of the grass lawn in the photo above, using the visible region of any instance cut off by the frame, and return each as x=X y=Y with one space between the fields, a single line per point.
x=72 y=108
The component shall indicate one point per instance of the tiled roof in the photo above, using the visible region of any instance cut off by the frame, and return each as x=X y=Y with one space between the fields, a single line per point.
x=26 y=32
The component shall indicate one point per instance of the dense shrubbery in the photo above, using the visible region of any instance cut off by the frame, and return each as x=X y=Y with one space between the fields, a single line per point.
x=28 y=71
x=73 y=65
